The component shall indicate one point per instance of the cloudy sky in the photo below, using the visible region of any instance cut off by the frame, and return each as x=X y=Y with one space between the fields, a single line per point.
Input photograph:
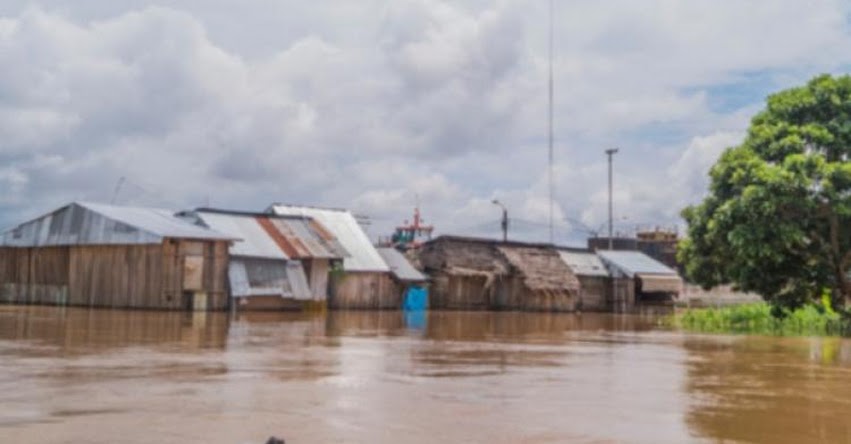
x=368 y=104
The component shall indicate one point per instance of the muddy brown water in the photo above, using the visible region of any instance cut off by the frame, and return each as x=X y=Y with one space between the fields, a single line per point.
x=101 y=376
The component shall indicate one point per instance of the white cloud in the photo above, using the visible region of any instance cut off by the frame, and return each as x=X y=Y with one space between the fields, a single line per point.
x=370 y=105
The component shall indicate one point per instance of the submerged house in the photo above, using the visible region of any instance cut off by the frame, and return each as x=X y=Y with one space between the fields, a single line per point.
x=364 y=281
x=595 y=284
x=279 y=262
x=410 y=282
x=483 y=274
x=638 y=278
x=96 y=255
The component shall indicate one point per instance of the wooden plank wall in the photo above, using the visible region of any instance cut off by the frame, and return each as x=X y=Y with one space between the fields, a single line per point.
x=48 y=279
x=8 y=274
x=8 y=265
x=172 y=275
x=216 y=275
x=118 y=276
x=460 y=292
x=34 y=275
x=594 y=291
x=365 y=290
x=214 y=271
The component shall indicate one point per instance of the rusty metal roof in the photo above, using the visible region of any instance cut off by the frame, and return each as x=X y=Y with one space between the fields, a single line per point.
x=274 y=237
x=303 y=237
x=254 y=240
x=362 y=255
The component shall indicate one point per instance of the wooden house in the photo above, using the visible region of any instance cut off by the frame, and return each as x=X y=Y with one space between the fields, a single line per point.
x=595 y=283
x=364 y=282
x=640 y=279
x=279 y=262
x=483 y=274
x=96 y=255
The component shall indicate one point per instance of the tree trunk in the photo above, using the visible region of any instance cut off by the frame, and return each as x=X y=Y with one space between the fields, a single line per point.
x=840 y=262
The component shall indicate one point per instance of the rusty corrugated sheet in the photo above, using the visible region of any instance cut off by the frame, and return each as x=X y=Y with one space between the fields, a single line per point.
x=272 y=236
x=361 y=254
x=280 y=240
x=254 y=240
x=322 y=231
x=298 y=241
x=300 y=236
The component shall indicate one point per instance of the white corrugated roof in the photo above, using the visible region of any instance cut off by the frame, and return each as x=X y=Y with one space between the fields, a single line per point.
x=362 y=254
x=83 y=223
x=155 y=220
x=583 y=263
x=253 y=241
x=634 y=262
x=400 y=266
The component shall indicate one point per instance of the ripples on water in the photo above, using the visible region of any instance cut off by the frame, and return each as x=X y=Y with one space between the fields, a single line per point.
x=74 y=375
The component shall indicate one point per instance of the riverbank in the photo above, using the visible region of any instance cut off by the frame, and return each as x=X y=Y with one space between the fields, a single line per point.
x=757 y=318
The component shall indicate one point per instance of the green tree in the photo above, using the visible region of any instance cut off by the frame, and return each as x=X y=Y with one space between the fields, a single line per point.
x=777 y=219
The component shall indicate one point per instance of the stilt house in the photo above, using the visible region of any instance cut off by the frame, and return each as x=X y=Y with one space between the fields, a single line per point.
x=96 y=255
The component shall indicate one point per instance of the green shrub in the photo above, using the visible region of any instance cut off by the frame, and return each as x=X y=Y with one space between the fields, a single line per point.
x=811 y=319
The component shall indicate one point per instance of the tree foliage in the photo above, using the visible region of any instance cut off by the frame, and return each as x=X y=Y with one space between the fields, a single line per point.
x=777 y=219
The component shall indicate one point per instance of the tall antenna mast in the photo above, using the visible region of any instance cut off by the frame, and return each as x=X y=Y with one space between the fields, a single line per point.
x=551 y=183
x=117 y=190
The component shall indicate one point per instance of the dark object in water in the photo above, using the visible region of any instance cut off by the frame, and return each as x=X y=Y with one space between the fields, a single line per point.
x=275 y=440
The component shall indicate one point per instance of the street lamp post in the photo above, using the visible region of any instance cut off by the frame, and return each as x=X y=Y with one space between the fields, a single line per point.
x=504 y=223
x=610 y=153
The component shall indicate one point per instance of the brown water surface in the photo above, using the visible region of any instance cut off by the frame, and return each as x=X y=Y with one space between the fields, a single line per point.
x=100 y=376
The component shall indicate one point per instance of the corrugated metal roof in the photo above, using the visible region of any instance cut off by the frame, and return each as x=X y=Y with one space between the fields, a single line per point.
x=254 y=240
x=400 y=266
x=634 y=262
x=271 y=236
x=341 y=223
x=583 y=263
x=304 y=240
x=83 y=223
x=155 y=220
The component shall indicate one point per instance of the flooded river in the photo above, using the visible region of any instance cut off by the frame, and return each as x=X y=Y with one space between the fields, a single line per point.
x=100 y=376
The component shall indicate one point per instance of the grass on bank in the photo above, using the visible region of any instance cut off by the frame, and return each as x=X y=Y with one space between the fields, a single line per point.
x=756 y=318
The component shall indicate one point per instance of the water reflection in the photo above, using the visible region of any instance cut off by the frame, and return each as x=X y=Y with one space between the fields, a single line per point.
x=766 y=389
x=39 y=329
